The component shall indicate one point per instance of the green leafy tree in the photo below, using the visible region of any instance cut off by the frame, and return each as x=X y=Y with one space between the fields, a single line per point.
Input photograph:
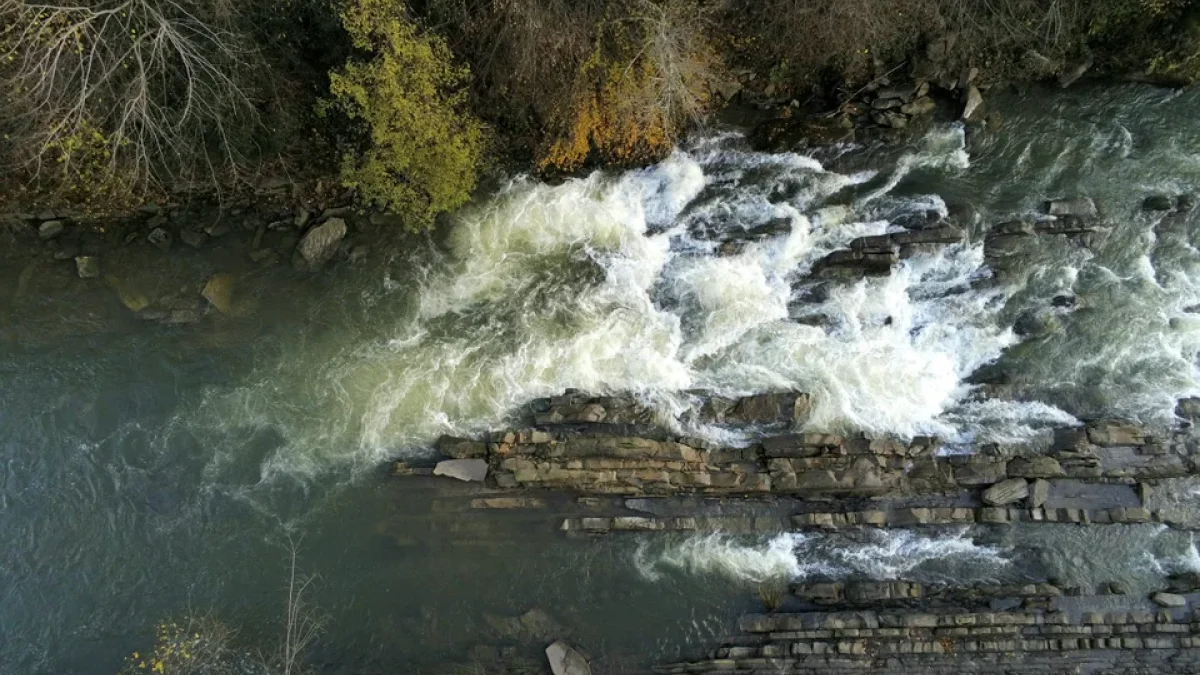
x=416 y=149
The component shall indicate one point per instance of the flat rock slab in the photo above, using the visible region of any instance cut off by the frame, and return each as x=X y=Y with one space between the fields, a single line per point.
x=564 y=660
x=470 y=470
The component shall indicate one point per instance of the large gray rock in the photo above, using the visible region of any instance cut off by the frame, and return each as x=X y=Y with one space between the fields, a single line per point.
x=1006 y=492
x=470 y=470
x=1169 y=600
x=973 y=102
x=321 y=242
x=1039 y=492
x=564 y=660
x=51 y=229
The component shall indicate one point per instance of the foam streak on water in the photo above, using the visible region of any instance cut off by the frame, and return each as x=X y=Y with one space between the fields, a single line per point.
x=874 y=554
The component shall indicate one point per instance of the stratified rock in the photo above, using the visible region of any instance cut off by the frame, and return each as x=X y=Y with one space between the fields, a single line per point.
x=470 y=470
x=1006 y=492
x=1040 y=466
x=564 y=660
x=1083 y=207
x=1169 y=600
x=1107 y=434
x=320 y=243
x=87 y=266
x=51 y=229
x=219 y=291
x=461 y=448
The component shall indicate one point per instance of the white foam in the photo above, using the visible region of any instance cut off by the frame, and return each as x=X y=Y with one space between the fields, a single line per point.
x=608 y=284
x=877 y=554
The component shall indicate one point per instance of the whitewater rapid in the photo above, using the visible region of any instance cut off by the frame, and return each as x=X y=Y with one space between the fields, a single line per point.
x=616 y=283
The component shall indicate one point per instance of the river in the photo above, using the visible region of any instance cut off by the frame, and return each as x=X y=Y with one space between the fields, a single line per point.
x=149 y=472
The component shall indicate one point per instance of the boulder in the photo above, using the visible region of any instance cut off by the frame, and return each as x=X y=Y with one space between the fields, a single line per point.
x=565 y=660
x=1185 y=582
x=973 y=102
x=219 y=292
x=921 y=106
x=1039 y=492
x=51 y=229
x=1083 y=207
x=470 y=470
x=87 y=266
x=1169 y=600
x=1006 y=492
x=320 y=243
x=1188 y=408
x=1040 y=466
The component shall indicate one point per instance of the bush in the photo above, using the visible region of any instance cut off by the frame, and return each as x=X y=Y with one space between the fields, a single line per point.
x=193 y=646
x=650 y=74
x=416 y=149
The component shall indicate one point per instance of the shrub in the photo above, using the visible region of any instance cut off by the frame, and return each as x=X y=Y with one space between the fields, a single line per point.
x=650 y=74
x=194 y=646
x=416 y=149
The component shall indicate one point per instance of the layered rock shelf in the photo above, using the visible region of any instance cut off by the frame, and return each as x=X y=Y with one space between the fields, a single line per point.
x=595 y=466
x=1103 y=472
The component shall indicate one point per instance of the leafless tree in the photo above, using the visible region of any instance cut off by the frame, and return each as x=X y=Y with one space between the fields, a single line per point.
x=146 y=87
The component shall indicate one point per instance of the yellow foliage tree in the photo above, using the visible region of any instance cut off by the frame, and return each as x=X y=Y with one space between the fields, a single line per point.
x=419 y=149
x=651 y=73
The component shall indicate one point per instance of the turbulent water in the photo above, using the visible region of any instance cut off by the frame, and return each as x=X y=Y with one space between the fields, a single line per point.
x=139 y=479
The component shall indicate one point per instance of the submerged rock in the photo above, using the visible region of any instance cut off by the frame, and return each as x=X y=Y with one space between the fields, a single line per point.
x=160 y=238
x=219 y=292
x=87 y=266
x=1084 y=207
x=1158 y=203
x=51 y=229
x=470 y=470
x=565 y=660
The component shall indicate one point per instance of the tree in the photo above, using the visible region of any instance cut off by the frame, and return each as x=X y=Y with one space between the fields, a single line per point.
x=110 y=95
x=415 y=149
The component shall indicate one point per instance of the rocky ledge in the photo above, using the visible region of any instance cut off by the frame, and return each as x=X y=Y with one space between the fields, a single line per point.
x=1106 y=471
x=602 y=466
